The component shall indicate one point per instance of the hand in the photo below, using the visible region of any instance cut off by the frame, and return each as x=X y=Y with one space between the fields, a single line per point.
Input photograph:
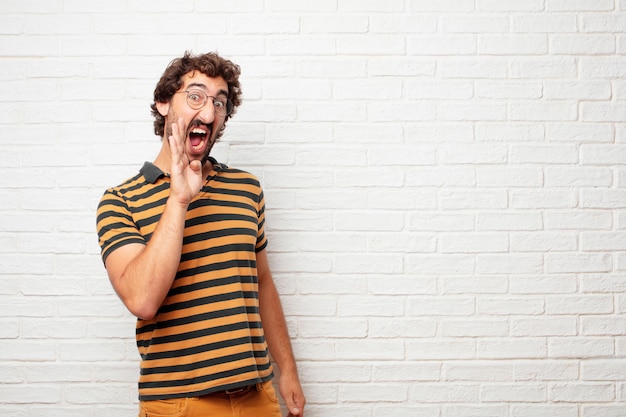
x=291 y=391
x=186 y=176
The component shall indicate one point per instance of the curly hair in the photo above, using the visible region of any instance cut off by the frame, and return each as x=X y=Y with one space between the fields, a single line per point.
x=210 y=64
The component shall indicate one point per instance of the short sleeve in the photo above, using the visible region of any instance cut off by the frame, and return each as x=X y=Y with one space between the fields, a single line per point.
x=261 y=241
x=115 y=224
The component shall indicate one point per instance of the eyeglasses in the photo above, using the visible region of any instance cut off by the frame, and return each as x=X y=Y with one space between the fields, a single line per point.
x=197 y=99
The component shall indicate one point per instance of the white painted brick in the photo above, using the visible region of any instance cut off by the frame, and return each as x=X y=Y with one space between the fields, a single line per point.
x=434 y=221
x=475 y=410
x=501 y=90
x=399 y=285
x=488 y=371
x=473 y=200
x=332 y=284
x=603 y=198
x=441 y=177
x=572 y=90
x=581 y=219
x=468 y=67
x=397 y=410
x=556 y=370
x=509 y=264
x=474 y=328
x=544 y=23
x=582 y=44
x=510 y=177
x=31 y=394
x=394 y=199
x=403 y=243
x=440 y=264
x=450 y=306
x=368 y=263
x=579 y=262
x=355 y=221
x=405 y=23
x=506 y=305
x=578 y=177
x=543 y=327
x=536 y=67
x=364 y=393
x=582 y=392
x=481 y=284
x=580 y=347
x=491 y=221
x=543 y=242
x=517 y=44
x=509 y=132
x=433 y=89
x=553 y=410
x=579 y=5
x=473 y=243
x=441 y=349
x=526 y=392
x=602 y=283
x=602 y=67
x=409 y=372
x=370 y=349
x=603 y=411
x=370 y=307
x=580 y=132
x=474 y=154
x=446 y=393
x=518 y=348
x=394 y=328
x=371 y=6
x=603 y=112
x=472 y=112
x=554 y=198
x=380 y=44
x=429 y=45
x=603 y=325
x=331 y=328
x=602 y=370
x=475 y=24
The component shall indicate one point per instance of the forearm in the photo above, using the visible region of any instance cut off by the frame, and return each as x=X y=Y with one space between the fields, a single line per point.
x=275 y=328
x=148 y=276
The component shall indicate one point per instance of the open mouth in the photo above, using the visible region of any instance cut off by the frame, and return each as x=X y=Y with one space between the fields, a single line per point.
x=198 y=136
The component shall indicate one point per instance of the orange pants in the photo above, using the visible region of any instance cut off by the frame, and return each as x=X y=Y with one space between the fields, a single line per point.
x=259 y=401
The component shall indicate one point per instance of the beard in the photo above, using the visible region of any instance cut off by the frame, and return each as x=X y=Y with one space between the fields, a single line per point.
x=209 y=139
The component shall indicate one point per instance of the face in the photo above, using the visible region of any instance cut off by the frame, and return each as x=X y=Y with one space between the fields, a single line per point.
x=201 y=125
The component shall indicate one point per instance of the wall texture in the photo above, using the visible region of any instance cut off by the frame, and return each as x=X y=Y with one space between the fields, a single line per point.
x=445 y=184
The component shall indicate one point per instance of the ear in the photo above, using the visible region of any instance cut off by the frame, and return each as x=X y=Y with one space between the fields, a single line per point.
x=163 y=108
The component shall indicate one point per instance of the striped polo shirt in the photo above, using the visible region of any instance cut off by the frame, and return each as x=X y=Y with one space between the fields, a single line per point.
x=207 y=335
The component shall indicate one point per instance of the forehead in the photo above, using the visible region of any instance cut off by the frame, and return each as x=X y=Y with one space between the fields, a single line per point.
x=210 y=84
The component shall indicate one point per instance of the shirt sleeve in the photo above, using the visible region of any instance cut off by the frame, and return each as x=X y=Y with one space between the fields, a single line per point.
x=261 y=241
x=115 y=224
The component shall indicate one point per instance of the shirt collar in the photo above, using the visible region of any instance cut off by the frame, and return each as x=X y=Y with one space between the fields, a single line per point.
x=152 y=173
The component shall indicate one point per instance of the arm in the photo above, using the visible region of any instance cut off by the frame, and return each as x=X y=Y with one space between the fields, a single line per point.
x=277 y=338
x=142 y=275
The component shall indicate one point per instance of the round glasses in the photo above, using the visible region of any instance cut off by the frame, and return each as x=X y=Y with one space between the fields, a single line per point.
x=197 y=99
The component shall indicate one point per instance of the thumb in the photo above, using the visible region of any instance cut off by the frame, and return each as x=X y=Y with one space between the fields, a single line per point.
x=294 y=409
x=196 y=166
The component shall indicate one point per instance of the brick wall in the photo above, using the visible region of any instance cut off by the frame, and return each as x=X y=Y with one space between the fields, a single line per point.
x=445 y=185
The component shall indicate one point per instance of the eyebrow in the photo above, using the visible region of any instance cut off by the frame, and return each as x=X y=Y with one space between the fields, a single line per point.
x=203 y=86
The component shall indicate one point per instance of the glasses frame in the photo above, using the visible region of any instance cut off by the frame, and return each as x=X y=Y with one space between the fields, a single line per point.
x=220 y=111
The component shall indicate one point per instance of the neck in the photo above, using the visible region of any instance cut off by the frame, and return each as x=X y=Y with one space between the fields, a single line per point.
x=163 y=161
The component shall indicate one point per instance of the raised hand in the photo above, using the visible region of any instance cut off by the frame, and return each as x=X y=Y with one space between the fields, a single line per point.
x=186 y=175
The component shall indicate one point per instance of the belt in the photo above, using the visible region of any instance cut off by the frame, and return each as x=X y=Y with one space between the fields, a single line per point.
x=239 y=391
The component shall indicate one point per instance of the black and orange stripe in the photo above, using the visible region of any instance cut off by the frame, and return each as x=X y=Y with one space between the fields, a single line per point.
x=207 y=335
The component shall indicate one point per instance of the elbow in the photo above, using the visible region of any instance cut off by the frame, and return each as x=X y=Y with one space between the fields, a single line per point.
x=142 y=309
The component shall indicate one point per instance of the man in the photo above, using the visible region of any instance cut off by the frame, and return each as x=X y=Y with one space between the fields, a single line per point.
x=183 y=243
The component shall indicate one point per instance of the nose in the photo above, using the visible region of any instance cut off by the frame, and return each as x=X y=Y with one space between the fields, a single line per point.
x=207 y=113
